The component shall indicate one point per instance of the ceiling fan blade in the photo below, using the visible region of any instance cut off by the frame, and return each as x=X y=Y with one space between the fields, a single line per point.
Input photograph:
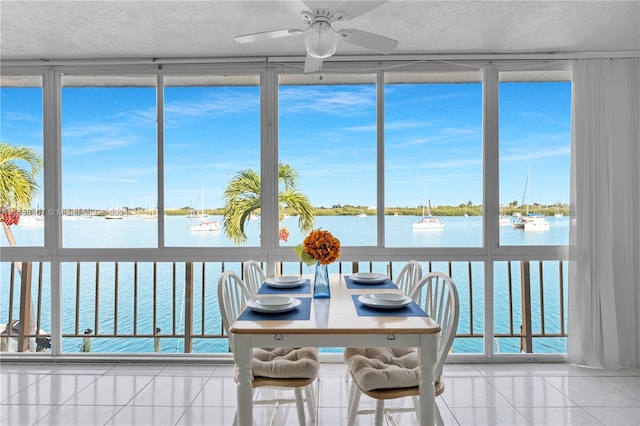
x=268 y=35
x=371 y=41
x=312 y=64
x=320 y=4
x=356 y=8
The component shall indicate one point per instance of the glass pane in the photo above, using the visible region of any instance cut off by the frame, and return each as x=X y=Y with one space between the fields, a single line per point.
x=530 y=300
x=433 y=164
x=212 y=135
x=21 y=132
x=535 y=150
x=327 y=135
x=36 y=308
x=109 y=161
x=142 y=307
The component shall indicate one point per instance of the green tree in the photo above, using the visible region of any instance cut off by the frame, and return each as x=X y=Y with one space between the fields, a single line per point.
x=242 y=198
x=18 y=184
x=17 y=188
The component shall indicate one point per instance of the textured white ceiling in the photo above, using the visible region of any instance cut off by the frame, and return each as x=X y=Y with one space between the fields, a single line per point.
x=187 y=29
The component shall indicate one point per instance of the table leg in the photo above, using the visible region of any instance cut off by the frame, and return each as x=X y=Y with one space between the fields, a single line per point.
x=242 y=357
x=428 y=359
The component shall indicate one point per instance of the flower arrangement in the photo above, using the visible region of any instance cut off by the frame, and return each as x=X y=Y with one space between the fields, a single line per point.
x=319 y=246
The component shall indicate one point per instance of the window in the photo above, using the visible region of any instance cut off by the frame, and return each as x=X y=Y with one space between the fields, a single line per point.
x=433 y=161
x=109 y=162
x=21 y=125
x=211 y=135
x=535 y=150
x=327 y=134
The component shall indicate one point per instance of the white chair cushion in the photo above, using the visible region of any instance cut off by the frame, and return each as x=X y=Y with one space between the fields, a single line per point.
x=286 y=363
x=383 y=368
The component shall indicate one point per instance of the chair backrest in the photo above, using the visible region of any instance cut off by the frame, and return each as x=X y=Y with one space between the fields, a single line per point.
x=253 y=276
x=232 y=299
x=437 y=294
x=409 y=276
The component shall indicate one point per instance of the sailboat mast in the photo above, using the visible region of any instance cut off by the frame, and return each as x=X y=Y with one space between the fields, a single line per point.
x=525 y=195
x=202 y=201
x=424 y=193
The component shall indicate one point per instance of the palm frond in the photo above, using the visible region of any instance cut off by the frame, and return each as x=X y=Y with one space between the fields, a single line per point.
x=18 y=186
x=243 y=196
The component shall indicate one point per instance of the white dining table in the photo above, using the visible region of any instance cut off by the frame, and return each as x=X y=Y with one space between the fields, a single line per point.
x=335 y=322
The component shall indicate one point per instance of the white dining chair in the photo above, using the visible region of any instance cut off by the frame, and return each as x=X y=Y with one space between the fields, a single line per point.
x=295 y=368
x=389 y=373
x=409 y=276
x=253 y=276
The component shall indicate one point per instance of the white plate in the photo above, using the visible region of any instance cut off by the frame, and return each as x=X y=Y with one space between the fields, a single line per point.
x=254 y=306
x=284 y=279
x=389 y=297
x=272 y=282
x=372 y=302
x=274 y=301
x=367 y=277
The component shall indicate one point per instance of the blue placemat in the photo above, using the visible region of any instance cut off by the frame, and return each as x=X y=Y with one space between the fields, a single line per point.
x=352 y=285
x=303 y=289
x=411 y=310
x=302 y=312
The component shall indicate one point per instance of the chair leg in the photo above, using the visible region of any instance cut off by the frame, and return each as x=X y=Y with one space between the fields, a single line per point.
x=379 y=412
x=354 y=401
x=438 y=419
x=300 y=406
x=311 y=402
x=416 y=405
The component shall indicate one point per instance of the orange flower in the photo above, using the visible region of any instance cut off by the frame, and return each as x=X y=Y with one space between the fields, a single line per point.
x=322 y=246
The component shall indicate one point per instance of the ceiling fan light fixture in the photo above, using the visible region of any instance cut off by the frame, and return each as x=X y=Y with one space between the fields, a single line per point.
x=321 y=41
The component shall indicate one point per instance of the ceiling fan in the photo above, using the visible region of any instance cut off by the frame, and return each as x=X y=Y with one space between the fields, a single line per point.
x=321 y=38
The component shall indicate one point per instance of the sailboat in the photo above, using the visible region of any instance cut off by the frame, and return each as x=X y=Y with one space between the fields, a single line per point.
x=558 y=213
x=427 y=221
x=152 y=214
x=530 y=221
x=205 y=225
x=195 y=215
x=503 y=219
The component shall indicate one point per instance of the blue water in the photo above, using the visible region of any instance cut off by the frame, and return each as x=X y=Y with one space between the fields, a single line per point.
x=352 y=231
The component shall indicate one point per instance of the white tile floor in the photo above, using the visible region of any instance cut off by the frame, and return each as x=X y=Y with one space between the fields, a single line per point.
x=155 y=394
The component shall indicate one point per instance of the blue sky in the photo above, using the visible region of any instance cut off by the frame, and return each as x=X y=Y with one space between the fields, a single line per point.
x=433 y=135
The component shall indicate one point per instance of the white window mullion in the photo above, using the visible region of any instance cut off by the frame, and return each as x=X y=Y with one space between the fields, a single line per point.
x=52 y=153
x=380 y=157
x=490 y=196
x=160 y=157
x=269 y=165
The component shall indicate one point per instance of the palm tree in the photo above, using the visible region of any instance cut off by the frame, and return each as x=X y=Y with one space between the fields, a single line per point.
x=17 y=188
x=17 y=184
x=242 y=197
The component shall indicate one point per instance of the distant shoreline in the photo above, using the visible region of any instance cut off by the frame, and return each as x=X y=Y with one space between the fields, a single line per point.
x=347 y=210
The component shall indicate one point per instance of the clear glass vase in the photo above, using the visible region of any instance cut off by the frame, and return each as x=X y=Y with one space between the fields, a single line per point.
x=321 y=288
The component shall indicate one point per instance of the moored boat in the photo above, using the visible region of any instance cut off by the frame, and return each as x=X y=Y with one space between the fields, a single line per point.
x=206 y=226
x=531 y=222
x=31 y=221
x=428 y=222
